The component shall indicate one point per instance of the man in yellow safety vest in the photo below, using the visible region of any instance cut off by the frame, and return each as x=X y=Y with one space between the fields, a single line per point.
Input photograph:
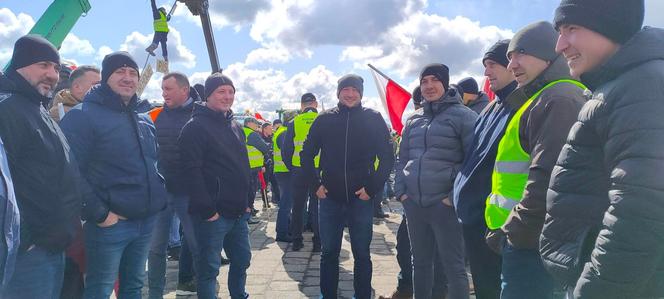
x=257 y=150
x=160 y=25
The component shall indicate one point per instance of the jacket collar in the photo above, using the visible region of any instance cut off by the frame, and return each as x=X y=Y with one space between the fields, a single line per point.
x=344 y=108
x=202 y=110
x=503 y=93
x=451 y=97
x=557 y=70
x=103 y=95
x=310 y=109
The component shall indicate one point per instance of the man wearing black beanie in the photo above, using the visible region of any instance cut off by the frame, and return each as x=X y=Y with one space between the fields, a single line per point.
x=116 y=148
x=604 y=204
x=44 y=173
x=348 y=138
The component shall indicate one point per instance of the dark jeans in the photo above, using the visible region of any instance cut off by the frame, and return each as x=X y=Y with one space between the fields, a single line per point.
x=302 y=192
x=334 y=214
x=524 y=275
x=119 y=249
x=177 y=204
x=231 y=235
x=285 y=203
x=485 y=265
x=38 y=274
x=431 y=229
x=161 y=38
x=186 y=262
x=405 y=260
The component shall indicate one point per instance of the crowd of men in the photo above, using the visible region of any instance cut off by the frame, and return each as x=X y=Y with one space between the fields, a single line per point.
x=551 y=190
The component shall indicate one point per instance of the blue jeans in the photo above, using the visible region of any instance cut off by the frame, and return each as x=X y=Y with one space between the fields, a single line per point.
x=177 y=205
x=285 y=203
x=333 y=215
x=119 y=249
x=38 y=274
x=524 y=276
x=231 y=235
x=174 y=239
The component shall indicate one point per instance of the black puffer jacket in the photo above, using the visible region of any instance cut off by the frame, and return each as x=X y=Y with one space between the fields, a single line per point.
x=215 y=165
x=606 y=198
x=168 y=126
x=433 y=144
x=44 y=172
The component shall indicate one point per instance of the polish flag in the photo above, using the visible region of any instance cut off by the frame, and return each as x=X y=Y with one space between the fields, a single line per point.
x=486 y=88
x=394 y=97
x=258 y=116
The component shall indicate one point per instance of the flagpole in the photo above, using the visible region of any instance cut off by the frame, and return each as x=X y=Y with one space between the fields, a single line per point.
x=386 y=76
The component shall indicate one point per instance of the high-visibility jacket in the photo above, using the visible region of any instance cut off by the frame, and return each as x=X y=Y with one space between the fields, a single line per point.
x=302 y=123
x=279 y=165
x=256 y=158
x=161 y=24
x=510 y=173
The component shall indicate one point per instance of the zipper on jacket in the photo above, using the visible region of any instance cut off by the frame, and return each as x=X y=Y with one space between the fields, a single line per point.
x=419 y=173
x=216 y=198
x=133 y=119
x=346 y=158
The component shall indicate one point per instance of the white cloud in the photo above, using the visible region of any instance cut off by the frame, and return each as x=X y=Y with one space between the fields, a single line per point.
x=421 y=39
x=271 y=54
x=103 y=51
x=75 y=46
x=12 y=27
x=135 y=43
x=654 y=15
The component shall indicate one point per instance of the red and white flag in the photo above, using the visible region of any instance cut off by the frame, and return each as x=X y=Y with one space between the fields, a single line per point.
x=486 y=88
x=394 y=97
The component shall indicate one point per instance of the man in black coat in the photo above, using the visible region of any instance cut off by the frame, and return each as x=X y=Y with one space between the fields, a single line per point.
x=45 y=175
x=215 y=169
x=349 y=138
x=605 y=202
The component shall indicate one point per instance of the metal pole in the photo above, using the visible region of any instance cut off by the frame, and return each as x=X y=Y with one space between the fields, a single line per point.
x=209 y=37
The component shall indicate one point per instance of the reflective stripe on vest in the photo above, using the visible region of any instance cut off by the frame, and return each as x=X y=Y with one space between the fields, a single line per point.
x=279 y=165
x=302 y=123
x=160 y=25
x=256 y=158
x=510 y=173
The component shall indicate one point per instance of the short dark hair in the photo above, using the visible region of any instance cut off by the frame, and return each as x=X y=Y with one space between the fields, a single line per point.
x=82 y=70
x=180 y=78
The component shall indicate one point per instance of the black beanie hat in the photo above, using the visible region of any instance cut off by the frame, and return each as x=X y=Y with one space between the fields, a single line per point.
x=114 y=61
x=214 y=81
x=307 y=98
x=469 y=85
x=438 y=70
x=30 y=49
x=537 y=39
x=417 y=95
x=498 y=52
x=618 y=20
x=351 y=80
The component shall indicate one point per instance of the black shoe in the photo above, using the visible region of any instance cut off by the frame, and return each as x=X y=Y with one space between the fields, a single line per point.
x=225 y=261
x=254 y=212
x=174 y=253
x=284 y=239
x=297 y=245
x=316 y=248
x=186 y=288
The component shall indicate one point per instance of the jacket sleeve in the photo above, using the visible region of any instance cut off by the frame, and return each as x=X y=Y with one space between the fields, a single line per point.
x=155 y=11
x=466 y=131
x=402 y=159
x=545 y=129
x=256 y=141
x=288 y=146
x=191 y=145
x=385 y=154
x=630 y=245
x=312 y=146
x=80 y=134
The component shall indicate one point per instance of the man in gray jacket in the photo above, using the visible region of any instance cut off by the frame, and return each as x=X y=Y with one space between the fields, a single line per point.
x=433 y=146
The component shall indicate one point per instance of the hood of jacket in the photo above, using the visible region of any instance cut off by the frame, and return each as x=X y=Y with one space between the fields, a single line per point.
x=450 y=97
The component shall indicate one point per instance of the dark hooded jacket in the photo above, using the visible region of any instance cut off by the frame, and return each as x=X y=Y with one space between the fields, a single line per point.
x=605 y=205
x=543 y=129
x=479 y=103
x=215 y=165
x=116 y=148
x=44 y=172
x=433 y=144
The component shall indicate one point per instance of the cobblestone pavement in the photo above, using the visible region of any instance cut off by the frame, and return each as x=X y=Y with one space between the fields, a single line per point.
x=278 y=272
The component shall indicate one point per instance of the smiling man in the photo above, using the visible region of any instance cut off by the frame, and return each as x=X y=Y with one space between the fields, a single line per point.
x=116 y=149
x=550 y=101
x=606 y=201
x=44 y=173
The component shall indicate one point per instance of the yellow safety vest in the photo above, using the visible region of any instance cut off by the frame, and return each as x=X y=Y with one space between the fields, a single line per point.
x=302 y=123
x=279 y=165
x=256 y=158
x=510 y=173
x=161 y=24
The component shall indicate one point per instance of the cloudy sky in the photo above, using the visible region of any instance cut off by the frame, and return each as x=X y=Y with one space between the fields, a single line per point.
x=275 y=50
